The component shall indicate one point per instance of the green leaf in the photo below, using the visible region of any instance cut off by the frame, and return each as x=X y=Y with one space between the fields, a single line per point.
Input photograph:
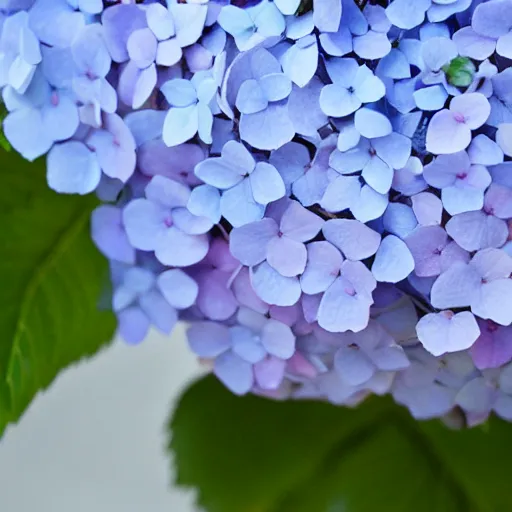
x=4 y=143
x=255 y=455
x=51 y=277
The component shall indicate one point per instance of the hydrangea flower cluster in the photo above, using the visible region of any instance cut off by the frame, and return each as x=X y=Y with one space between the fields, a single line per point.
x=321 y=189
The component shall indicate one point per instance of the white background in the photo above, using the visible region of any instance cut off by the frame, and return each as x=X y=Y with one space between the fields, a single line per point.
x=95 y=441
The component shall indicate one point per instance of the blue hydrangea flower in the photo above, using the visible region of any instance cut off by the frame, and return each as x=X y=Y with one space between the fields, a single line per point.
x=20 y=52
x=249 y=27
x=248 y=186
x=352 y=86
x=191 y=103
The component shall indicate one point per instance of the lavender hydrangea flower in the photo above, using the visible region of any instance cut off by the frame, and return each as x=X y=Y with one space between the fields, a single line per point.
x=280 y=244
x=449 y=130
x=141 y=299
x=252 y=353
x=160 y=222
x=490 y=31
x=322 y=191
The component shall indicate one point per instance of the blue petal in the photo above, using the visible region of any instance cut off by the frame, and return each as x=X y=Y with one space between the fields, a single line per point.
x=61 y=119
x=269 y=129
x=301 y=61
x=204 y=201
x=25 y=131
x=205 y=123
x=180 y=125
x=179 y=92
x=275 y=86
x=327 y=14
x=188 y=21
x=238 y=206
x=274 y=288
x=72 y=168
x=234 y=20
x=431 y=98
x=251 y=98
x=266 y=183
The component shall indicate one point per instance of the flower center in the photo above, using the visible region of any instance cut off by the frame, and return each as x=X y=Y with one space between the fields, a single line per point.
x=459 y=117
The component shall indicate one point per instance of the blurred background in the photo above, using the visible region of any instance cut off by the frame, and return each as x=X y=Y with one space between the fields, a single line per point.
x=96 y=440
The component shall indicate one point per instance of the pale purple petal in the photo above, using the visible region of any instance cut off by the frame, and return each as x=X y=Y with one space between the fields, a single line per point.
x=353 y=365
x=484 y=151
x=426 y=245
x=394 y=149
x=354 y=239
x=269 y=373
x=300 y=224
x=246 y=345
x=390 y=358
x=287 y=256
x=493 y=348
x=471 y=44
x=238 y=205
x=249 y=243
x=428 y=209
x=133 y=325
x=179 y=249
x=274 y=288
x=477 y=230
x=447 y=332
x=304 y=108
x=474 y=108
x=493 y=19
x=278 y=339
x=322 y=268
x=492 y=301
x=109 y=235
x=160 y=313
x=456 y=287
x=393 y=261
x=341 y=194
x=235 y=373
x=266 y=183
x=476 y=396
x=178 y=288
x=445 y=135
x=342 y=308
x=399 y=219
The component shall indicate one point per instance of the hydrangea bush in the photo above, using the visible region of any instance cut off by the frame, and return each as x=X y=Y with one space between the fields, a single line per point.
x=321 y=189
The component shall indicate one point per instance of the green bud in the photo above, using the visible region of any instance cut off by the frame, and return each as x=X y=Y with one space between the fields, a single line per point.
x=460 y=72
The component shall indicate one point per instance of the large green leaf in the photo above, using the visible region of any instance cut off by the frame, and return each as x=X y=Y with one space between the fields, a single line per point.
x=254 y=455
x=50 y=282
